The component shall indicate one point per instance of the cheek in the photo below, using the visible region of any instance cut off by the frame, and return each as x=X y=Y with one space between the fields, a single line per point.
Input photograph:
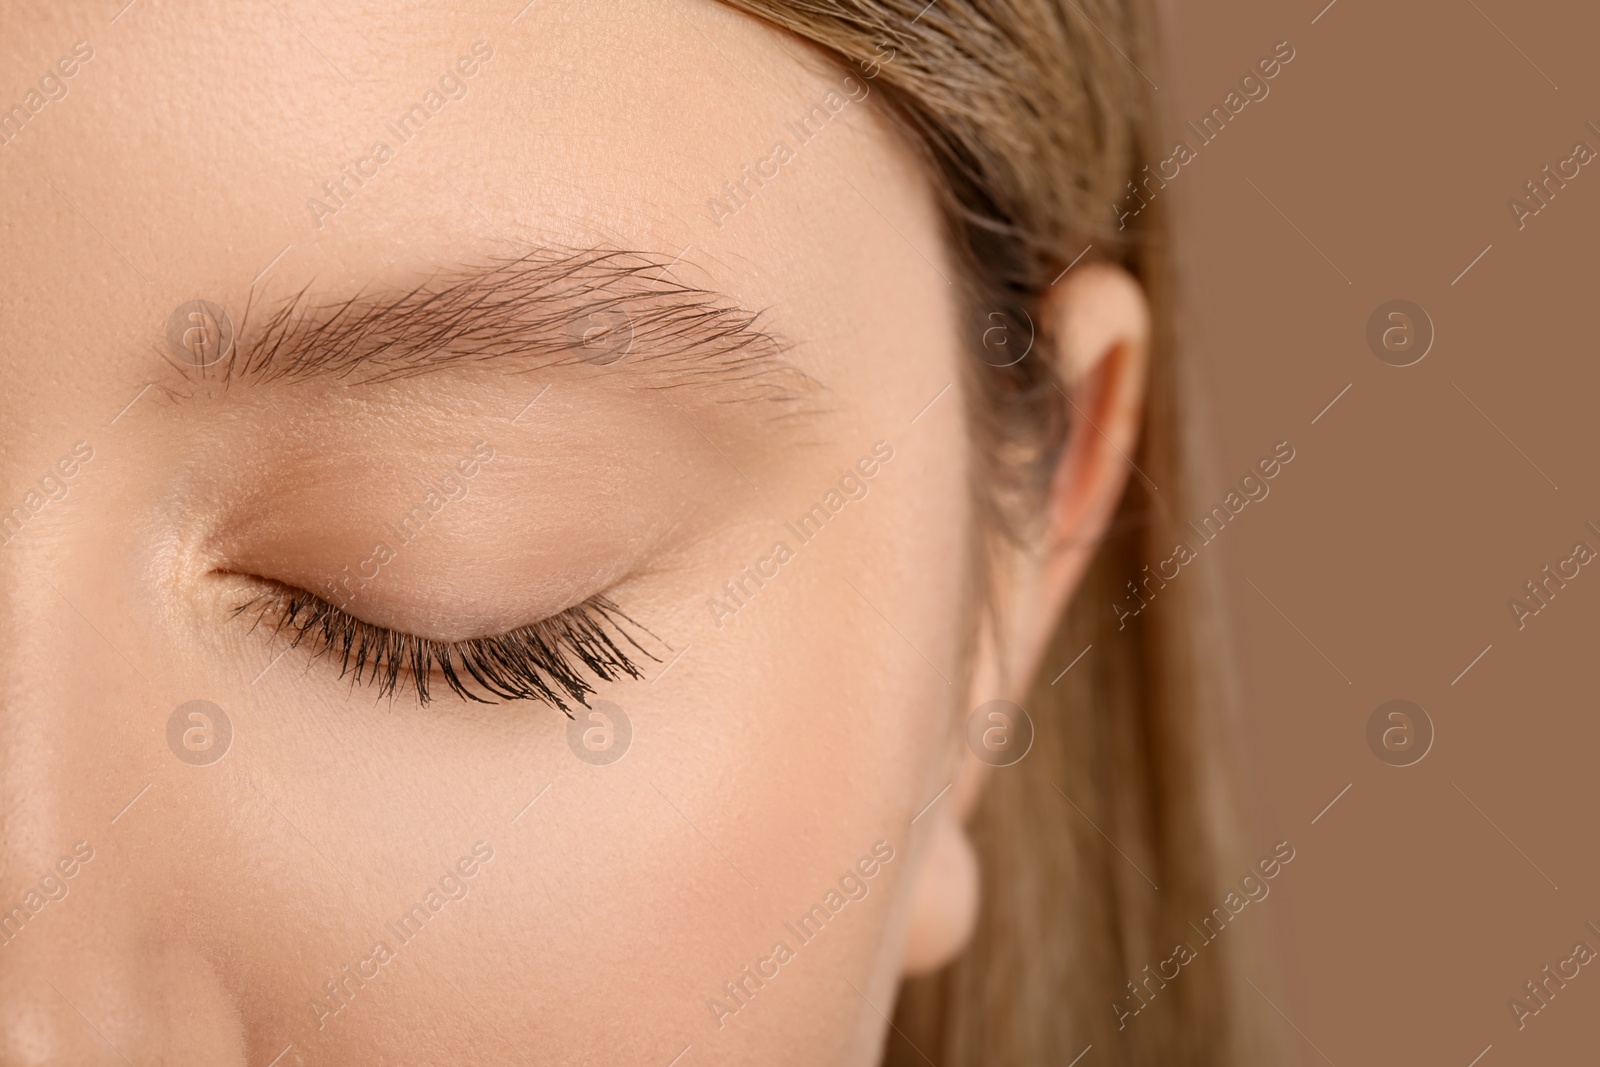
x=766 y=761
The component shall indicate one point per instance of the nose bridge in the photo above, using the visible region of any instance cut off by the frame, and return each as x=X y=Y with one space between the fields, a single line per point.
x=43 y=740
x=70 y=912
x=63 y=704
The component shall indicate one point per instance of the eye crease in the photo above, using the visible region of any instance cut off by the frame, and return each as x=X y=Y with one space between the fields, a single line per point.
x=552 y=660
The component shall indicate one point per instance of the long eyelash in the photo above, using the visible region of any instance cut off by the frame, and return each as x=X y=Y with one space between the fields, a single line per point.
x=551 y=660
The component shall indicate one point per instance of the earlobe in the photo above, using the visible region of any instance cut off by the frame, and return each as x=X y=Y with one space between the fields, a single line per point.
x=944 y=901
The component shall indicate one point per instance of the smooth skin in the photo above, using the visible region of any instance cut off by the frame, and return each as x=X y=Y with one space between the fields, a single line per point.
x=772 y=750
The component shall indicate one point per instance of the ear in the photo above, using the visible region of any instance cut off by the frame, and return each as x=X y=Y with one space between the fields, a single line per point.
x=1099 y=321
x=1102 y=330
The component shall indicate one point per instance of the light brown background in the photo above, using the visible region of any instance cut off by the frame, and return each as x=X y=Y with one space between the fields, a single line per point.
x=1407 y=521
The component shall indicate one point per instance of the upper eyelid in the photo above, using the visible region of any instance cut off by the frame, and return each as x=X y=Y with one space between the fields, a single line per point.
x=527 y=662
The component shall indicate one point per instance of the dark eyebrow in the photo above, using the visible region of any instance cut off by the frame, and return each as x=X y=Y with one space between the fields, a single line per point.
x=605 y=308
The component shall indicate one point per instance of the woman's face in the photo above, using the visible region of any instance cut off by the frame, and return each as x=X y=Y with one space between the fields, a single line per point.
x=310 y=869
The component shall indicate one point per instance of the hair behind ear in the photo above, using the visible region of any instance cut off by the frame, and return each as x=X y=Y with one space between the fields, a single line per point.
x=1033 y=120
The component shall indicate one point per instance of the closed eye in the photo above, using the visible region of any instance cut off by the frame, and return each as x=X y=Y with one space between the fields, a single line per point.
x=554 y=660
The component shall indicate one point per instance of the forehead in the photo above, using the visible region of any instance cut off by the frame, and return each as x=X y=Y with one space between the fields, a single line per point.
x=207 y=152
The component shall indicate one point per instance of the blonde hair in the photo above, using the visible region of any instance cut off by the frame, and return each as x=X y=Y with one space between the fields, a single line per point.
x=1033 y=117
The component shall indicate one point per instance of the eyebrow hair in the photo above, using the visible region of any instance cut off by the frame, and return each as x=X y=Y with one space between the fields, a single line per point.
x=534 y=311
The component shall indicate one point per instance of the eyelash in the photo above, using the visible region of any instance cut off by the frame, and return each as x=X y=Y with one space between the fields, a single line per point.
x=547 y=661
